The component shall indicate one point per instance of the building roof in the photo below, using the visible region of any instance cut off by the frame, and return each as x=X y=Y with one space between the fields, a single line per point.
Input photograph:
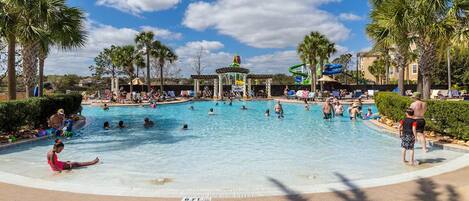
x=232 y=70
x=260 y=76
x=204 y=77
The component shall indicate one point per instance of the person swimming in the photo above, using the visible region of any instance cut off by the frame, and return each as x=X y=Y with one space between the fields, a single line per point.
x=244 y=107
x=121 y=124
x=211 y=112
x=216 y=104
x=105 y=107
x=185 y=127
x=191 y=107
x=147 y=123
x=279 y=110
x=369 y=114
x=267 y=113
x=106 y=125
x=59 y=166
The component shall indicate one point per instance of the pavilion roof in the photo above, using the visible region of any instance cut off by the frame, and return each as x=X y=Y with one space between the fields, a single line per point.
x=232 y=70
x=204 y=77
x=260 y=76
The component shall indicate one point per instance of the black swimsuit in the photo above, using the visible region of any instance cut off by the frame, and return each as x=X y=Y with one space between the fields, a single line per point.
x=408 y=138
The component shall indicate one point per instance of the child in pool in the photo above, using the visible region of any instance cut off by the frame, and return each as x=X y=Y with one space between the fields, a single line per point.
x=147 y=123
x=106 y=125
x=267 y=113
x=211 y=112
x=244 y=108
x=57 y=165
x=185 y=127
x=121 y=124
x=408 y=133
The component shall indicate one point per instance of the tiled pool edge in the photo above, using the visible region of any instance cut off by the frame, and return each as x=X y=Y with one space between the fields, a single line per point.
x=445 y=146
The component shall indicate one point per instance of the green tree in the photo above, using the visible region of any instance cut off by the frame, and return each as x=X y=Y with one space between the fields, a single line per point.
x=309 y=53
x=9 y=15
x=162 y=54
x=144 y=41
x=65 y=31
x=126 y=57
x=433 y=24
x=326 y=49
x=378 y=70
x=388 y=29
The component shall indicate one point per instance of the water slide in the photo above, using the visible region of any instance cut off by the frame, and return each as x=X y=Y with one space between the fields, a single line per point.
x=305 y=76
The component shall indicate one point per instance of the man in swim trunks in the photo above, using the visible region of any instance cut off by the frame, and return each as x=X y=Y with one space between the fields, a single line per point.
x=279 y=110
x=327 y=109
x=419 y=108
x=56 y=121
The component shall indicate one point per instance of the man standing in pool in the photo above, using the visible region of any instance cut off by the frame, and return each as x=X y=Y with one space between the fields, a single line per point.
x=408 y=133
x=327 y=109
x=419 y=108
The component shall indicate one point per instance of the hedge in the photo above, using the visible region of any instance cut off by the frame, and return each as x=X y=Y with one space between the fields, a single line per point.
x=33 y=112
x=449 y=118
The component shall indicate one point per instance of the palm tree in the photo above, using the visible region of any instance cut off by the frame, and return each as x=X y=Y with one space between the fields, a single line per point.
x=326 y=49
x=434 y=22
x=145 y=40
x=126 y=57
x=309 y=53
x=8 y=29
x=389 y=30
x=66 y=32
x=162 y=54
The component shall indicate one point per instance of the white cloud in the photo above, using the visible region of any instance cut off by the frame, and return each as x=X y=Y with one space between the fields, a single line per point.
x=277 y=62
x=265 y=23
x=138 y=6
x=162 y=33
x=100 y=36
x=211 y=58
x=349 y=17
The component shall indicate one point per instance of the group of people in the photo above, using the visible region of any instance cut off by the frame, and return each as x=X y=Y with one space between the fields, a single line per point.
x=412 y=128
x=147 y=123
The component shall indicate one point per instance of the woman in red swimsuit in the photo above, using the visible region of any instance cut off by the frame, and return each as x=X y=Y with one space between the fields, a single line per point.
x=57 y=165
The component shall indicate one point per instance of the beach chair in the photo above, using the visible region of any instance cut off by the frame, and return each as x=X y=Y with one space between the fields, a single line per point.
x=371 y=93
x=336 y=94
x=358 y=94
x=291 y=94
x=455 y=94
x=171 y=95
x=434 y=94
x=191 y=93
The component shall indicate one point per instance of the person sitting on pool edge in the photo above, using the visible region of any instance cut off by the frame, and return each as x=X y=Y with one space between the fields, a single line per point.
x=244 y=107
x=267 y=113
x=147 y=123
x=57 y=165
x=56 y=122
x=106 y=126
x=105 y=107
x=211 y=112
x=121 y=124
x=408 y=133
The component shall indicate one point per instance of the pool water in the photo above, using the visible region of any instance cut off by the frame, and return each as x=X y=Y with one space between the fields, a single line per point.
x=231 y=150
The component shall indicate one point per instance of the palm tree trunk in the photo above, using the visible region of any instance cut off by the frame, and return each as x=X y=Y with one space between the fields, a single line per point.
x=11 y=68
x=400 y=82
x=41 y=75
x=313 y=76
x=321 y=67
x=387 y=71
x=148 y=70
x=419 y=81
x=427 y=56
x=161 y=78
x=29 y=55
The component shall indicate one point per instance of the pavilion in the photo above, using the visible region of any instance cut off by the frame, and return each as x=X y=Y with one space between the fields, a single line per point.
x=222 y=76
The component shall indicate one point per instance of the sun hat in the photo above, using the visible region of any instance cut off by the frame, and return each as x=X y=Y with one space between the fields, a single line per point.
x=416 y=95
x=61 y=111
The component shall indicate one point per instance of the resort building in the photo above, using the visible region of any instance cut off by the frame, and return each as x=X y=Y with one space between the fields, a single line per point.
x=366 y=59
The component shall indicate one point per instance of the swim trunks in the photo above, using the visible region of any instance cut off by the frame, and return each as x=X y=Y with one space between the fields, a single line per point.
x=327 y=115
x=420 y=125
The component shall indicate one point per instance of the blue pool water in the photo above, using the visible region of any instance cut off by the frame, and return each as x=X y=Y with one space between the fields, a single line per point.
x=231 y=150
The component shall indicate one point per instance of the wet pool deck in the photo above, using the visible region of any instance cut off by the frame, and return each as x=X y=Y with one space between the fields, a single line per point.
x=449 y=186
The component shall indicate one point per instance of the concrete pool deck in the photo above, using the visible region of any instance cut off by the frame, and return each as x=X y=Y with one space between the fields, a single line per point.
x=448 y=186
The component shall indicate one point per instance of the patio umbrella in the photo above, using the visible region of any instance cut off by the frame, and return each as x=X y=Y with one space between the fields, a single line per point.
x=326 y=78
x=137 y=81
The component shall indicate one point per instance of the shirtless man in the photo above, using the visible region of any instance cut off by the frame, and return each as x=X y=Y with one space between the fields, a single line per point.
x=327 y=109
x=279 y=109
x=419 y=108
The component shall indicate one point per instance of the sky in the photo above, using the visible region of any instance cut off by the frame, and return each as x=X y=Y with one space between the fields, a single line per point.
x=265 y=33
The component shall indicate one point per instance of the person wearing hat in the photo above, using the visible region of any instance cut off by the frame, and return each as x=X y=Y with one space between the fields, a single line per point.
x=56 y=121
x=419 y=108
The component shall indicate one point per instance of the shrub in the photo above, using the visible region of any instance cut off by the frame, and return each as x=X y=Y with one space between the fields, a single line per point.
x=449 y=118
x=34 y=111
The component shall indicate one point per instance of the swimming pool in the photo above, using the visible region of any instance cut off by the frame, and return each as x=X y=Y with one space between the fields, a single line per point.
x=232 y=151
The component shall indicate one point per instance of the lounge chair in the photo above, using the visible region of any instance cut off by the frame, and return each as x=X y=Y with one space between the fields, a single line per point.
x=336 y=94
x=291 y=94
x=171 y=95
x=443 y=94
x=371 y=93
x=191 y=93
x=434 y=94
x=455 y=94
x=311 y=96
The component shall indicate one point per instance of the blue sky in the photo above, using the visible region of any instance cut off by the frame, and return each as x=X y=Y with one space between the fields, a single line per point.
x=264 y=32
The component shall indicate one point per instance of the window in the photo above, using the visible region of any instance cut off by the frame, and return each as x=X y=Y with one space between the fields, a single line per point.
x=414 y=69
